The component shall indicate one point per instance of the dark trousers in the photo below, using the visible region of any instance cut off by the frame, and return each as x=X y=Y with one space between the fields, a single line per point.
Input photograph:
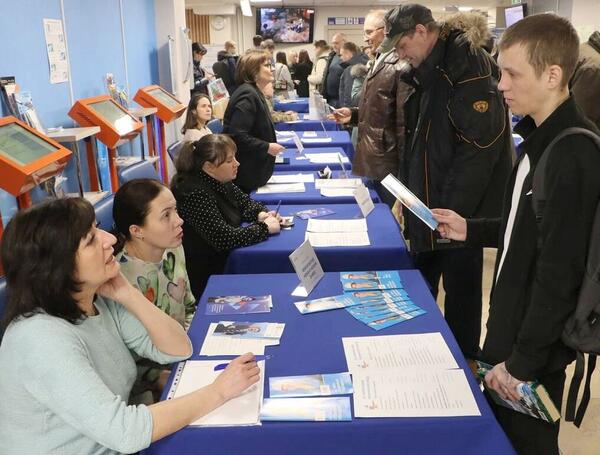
x=528 y=435
x=461 y=270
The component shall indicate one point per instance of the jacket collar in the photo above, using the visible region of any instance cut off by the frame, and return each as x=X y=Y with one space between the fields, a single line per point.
x=390 y=58
x=594 y=41
x=212 y=182
x=537 y=138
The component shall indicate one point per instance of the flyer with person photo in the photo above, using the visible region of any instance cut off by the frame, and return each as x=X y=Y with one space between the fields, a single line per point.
x=410 y=201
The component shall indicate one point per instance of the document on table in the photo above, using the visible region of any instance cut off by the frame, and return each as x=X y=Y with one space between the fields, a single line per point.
x=242 y=410
x=355 y=225
x=337 y=192
x=316 y=140
x=413 y=393
x=291 y=178
x=284 y=133
x=282 y=188
x=426 y=351
x=222 y=345
x=325 y=158
x=337 y=183
x=328 y=239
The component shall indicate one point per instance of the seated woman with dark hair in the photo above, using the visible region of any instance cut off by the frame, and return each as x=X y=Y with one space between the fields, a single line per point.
x=213 y=208
x=152 y=259
x=73 y=319
x=198 y=114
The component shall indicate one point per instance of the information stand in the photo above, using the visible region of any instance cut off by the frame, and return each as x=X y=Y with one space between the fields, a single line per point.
x=168 y=109
x=117 y=126
x=27 y=159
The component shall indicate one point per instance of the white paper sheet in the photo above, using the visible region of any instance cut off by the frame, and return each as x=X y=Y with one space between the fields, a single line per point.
x=413 y=393
x=330 y=239
x=242 y=410
x=309 y=134
x=326 y=158
x=337 y=192
x=316 y=140
x=220 y=345
x=307 y=267
x=388 y=352
x=282 y=188
x=291 y=178
x=284 y=133
x=363 y=199
x=337 y=183
x=320 y=225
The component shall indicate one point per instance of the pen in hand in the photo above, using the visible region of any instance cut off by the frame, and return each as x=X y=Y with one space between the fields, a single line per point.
x=257 y=358
x=277 y=209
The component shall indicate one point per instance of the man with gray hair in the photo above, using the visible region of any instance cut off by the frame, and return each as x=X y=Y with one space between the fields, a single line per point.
x=330 y=87
x=380 y=113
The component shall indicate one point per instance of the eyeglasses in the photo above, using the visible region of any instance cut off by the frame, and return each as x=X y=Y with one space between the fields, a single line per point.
x=370 y=32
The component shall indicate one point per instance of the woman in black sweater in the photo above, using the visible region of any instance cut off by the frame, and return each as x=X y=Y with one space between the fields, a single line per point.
x=249 y=123
x=213 y=208
x=301 y=72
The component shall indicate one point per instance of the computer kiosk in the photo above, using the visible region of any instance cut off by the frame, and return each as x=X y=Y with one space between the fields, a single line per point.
x=168 y=109
x=117 y=126
x=27 y=159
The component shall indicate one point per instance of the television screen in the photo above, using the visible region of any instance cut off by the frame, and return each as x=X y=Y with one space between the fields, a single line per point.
x=515 y=13
x=285 y=25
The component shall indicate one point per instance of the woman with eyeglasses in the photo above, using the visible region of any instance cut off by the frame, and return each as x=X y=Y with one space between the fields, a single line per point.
x=248 y=122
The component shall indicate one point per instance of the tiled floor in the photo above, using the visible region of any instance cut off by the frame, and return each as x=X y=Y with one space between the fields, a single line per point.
x=573 y=441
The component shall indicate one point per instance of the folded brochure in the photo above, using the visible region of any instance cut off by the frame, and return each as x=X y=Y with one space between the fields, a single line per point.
x=306 y=409
x=238 y=304
x=310 y=385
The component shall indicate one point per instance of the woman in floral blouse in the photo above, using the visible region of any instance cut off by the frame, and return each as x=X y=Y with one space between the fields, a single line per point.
x=214 y=208
x=152 y=259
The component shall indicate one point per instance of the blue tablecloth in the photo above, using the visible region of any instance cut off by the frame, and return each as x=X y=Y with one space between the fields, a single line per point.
x=310 y=196
x=296 y=164
x=337 y=139
x=312 y=344
x=297 y=105
x=387 y=250
x=308 y=125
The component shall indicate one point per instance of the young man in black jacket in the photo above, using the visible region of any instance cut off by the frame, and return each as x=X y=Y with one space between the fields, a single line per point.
x=457 y=154
x=540 y=265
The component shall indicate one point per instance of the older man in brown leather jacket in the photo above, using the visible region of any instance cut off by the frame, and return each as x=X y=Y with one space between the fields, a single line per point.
x=380 y=114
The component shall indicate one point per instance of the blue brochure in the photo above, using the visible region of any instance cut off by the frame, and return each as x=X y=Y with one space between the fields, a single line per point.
x=370 y=280
x=314 y=213
x=238 y=304
x=385 y=315
x=306 y=409
x=310 y=385
x=326 y=303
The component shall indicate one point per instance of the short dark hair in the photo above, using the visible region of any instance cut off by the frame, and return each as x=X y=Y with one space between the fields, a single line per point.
x=268 y=44
x=548 y=39
x=321 y=43
x=131 y=206
x=249 y=65
x=191 y=119
x=350 y=47
x=256 y=40
x=280 y=57
x=212 y=148
x=199 y=48
x=39 y=250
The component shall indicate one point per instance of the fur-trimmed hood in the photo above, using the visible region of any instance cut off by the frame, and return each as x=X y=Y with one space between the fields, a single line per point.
x=359 y=70
x=474 y=25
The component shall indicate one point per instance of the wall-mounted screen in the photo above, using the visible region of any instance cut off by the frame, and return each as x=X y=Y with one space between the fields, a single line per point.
x=285 y=25
x=122 y=121
x=21 y=146
x=515 y=13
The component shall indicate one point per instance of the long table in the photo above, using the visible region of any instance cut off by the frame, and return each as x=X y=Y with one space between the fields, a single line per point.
x=323 y=139
x=297 y=105
x=304 y=124
x=311 y=195
x=312 y=344
x=298 y=162
x=387 y=249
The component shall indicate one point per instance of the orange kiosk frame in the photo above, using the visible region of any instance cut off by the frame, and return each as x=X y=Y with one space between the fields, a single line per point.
x=168 y=109
x=20 y=176
x=86 y=113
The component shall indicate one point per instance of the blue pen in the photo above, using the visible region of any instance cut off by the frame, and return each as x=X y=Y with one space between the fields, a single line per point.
x=257 y=358
x=277 y=209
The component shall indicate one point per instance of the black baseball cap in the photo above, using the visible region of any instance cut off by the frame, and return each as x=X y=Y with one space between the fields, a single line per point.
x=402 y=19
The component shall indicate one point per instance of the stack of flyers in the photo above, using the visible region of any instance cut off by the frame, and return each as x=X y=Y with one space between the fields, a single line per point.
x=326 y=303
x=310 y=385
x=360 y=281
x=249 y=329
x=306 y=409
x=381 y=315
x=314 y=213
x=239 y=304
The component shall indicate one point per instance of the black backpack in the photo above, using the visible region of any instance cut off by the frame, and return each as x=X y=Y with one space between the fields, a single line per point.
x=582 y=330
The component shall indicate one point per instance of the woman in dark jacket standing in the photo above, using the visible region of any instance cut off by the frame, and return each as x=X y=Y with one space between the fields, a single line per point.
x=249 y=123
x=301 y=72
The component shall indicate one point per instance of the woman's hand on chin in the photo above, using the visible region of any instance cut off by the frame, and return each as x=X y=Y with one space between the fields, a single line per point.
x=117 y=289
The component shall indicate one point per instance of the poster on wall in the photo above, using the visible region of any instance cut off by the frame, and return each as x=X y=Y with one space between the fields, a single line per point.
x=56 y=50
